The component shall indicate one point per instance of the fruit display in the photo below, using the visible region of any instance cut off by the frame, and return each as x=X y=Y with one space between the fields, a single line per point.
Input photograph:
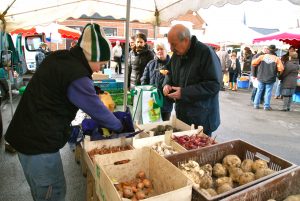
x=223 y=177
x=137 y=189
x=161 y=129
x=194 y=141
x=163 y=149
x=108 y=150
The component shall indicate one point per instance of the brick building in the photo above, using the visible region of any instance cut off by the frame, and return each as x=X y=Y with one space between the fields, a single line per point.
x=115 y=28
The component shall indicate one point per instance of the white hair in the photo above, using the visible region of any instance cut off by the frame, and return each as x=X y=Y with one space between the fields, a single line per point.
x=160 y=43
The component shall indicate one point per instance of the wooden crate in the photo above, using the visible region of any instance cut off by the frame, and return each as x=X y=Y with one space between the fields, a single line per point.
x=277 y=188
x=89 y=145
x=169 y=183
x=215 y=154
x=174 y=122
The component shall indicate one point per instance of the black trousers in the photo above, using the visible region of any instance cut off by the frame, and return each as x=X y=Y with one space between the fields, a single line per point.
x=119 y=62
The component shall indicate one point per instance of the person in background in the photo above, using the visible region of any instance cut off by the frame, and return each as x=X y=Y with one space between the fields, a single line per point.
x=269 y=65
x=138 y=59
x=289 y=80
x=234 y=71
x=40 y=126
x=41 y=54
x=117 y=56
x=224 y=59
x=247 y=58
x=154 y=75
x=194 y=80
x=284 y=59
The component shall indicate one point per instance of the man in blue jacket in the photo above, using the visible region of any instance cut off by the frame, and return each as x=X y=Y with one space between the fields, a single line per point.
x=41 y=124
x=194 y=80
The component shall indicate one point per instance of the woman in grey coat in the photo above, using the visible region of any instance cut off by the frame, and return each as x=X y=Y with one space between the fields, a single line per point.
x=289 y=80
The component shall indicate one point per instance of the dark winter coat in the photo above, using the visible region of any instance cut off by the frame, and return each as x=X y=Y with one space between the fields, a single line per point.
x=289 y=75
x=237 y=69
x=198 y=73
x=153 y=77
x=137 y=63
x=42 y=119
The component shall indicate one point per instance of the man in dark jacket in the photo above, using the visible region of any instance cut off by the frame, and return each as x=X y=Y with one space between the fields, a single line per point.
x=138 y=59
x=41 y=123
x=269 y=66
x=194 y=80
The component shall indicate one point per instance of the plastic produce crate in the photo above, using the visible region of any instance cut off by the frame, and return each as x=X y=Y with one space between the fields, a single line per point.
x=277 y=188
x=110 y=87
x=215 y=154
x=118 y=98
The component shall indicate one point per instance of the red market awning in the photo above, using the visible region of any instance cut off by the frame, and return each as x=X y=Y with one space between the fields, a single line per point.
x=25 y=32
x=64 y=31
x=289 y=38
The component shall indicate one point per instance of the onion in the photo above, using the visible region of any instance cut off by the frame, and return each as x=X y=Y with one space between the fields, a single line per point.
x=147 y=183
x=141 y=175
x=140 y=185
x=140 y=195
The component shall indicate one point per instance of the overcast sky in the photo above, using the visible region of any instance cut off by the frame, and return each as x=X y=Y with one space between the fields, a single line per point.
x=279 y=14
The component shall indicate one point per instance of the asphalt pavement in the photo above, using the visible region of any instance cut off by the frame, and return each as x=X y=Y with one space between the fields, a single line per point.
x=275 y=131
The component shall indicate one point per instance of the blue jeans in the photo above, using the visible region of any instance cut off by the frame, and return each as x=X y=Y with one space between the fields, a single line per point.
x=45 y=176
x=268 y=94
x=278 y=89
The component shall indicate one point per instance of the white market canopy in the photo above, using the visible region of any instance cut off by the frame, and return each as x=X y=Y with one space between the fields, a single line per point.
x=28 y=13
x=236 y=33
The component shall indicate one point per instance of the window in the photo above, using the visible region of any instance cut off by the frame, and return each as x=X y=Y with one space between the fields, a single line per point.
x=110 y=31
x=144 y=31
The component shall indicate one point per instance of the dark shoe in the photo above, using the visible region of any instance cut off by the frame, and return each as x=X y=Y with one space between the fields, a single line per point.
x=284 y=110
x=222 y=89
x=268 y=109
x=256 y=107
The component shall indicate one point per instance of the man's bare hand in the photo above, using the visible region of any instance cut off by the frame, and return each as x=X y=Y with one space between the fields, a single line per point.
x=166 y=90
x=176 y=95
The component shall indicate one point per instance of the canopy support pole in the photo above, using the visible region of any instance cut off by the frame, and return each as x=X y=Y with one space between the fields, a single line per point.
x=125 y=87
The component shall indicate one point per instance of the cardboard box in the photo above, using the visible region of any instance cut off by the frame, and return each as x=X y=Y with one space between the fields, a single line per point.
x=89 y=145
x=169 y=183
x=174 y=122
x=150 y=141
x=99 y=76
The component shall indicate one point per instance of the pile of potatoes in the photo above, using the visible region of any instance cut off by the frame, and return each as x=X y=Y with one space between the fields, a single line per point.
x=222 y=177
x=137 y=189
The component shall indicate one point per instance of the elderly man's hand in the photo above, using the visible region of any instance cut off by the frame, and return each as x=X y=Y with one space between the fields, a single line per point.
x=176 y=95
x=166 y=90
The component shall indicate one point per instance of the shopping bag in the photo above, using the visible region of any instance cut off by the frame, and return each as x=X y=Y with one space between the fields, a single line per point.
x=147 y=104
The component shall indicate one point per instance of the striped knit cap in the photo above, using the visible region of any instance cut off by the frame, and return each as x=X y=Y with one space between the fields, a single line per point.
x=95 y=46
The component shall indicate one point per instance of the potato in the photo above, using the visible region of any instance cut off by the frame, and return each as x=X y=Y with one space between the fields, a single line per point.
x=246 y=165
x=219 y=170
x=207 y=169
x=293 y=198
x=262 y=172
x=224 y=188
x=259 y=164
x=231 y=161
x=206 y=181
x=246 y=177
x=235 y=173
x=222 y=180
